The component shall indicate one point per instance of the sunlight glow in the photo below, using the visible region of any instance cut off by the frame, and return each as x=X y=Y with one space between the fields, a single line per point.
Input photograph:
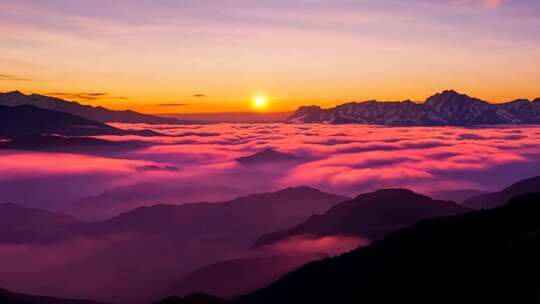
x=259 y=102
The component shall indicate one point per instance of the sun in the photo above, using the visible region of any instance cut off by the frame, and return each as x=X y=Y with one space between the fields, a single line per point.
x=259 y=102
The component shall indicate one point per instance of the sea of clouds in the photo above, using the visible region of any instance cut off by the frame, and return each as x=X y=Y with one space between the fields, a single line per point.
x=343 y=159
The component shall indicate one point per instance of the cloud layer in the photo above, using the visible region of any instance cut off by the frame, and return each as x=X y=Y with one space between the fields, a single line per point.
x=342 y=159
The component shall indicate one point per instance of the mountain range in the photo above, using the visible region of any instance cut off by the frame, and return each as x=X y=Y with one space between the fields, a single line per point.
x=496 y=199
x=225 y=221
x=371 y=215
x=30 y=120
x=494 y=248
x=448 y=108
x=19 y=225
x=55 y=143
x=238 y=221
x=9 y=297
x=227 y=279
x=488 y=256
x=100 y=114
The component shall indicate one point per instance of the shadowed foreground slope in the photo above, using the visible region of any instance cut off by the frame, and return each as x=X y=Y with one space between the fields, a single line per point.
x=370 y=215
x=8 y=297
x=496 y=199
x=488 y=256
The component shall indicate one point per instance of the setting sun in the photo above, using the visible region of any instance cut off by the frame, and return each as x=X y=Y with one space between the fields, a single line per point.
x=259 y=103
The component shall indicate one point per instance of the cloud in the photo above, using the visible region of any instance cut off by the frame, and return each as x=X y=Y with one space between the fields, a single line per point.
x=491 y=3
x=172 y=104
x=306 y=244
x=157 y=168
x=7 y=77
x=199 y=95
x=84 y=95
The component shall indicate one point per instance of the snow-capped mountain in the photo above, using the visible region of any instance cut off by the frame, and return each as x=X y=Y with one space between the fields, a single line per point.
x=445 y=108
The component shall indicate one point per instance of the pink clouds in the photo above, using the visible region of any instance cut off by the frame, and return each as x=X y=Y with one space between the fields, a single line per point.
x=347 y=159
x=491 y=3
x=329 y=245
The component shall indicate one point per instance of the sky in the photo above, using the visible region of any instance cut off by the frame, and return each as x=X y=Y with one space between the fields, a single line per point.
x=166 y=56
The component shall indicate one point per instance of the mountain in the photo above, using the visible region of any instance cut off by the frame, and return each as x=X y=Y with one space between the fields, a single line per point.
x=65 y=144
x=527 y=111
x=122 y=199
x=370 y=112
x=455 y=195
x=448 y=108
x=27 y=120
x=237 y=222
x=197 y=298
x=496 y=199
x=100 y=114
x=268 y=156
x=19 y=225
x=231 y=278
x=488 y=256
x=371 y=215
x=8 y=297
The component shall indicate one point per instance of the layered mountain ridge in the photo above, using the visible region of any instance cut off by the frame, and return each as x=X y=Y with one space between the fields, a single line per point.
x=100 y=114
x=446 y=108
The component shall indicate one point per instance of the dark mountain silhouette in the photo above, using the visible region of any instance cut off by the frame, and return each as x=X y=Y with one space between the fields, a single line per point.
x=8 y=297
x=455 y=195
x=100 y=114
x=445 y=108
x=66 y=144
x=27 y=120
x=231 y=278
x=29 y=225
x=496 y=199
x=236 y=223
x=488 y=256
x=197 y=298
x=370 y=215
x=123 y=199
x=268 y=156
x=527 y=111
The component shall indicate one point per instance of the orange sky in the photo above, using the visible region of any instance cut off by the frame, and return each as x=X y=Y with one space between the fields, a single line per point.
x=203 y=56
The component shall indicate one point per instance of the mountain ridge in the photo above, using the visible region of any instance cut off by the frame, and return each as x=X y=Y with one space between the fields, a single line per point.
x=370 y=215
x=496 y=199
x=30 y=120
x=487 y=256
x=447 y=108
x=98 y=113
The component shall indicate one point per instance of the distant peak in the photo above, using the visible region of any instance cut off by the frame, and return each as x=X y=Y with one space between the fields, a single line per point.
x=302 y=188
x=450 y=93
x=15 y=93
x=392 y=192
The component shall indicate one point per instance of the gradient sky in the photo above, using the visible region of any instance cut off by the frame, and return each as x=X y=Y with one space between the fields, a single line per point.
x=165 y=56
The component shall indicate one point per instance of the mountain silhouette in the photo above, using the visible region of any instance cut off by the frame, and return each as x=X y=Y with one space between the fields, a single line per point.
x=227 y=279
x=237 y=222
x=496 y=199
x=8 y=297
x=488 y=256
x=268 y=156
x=30 y=225
x=196 y=298
x=37 y=142
x=28 y=120
x=100 y=114
x=448 y=108
x=458 y=196
x=371 y=215
x=122 y=199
